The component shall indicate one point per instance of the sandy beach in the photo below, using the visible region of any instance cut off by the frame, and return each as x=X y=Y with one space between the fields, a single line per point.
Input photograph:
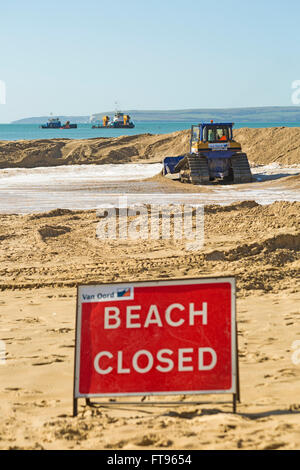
x=46 y=254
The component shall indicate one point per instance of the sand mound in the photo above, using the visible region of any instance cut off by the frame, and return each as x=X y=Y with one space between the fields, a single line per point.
x=52 y=231
x=274 y=144
x=232 y=207
x=292 y=181
x=124 y=149
x=278 y=144
x=286 y=241
x=52 y=213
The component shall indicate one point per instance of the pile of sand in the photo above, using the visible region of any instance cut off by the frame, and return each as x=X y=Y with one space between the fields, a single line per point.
x=281 y=145
x=272 y=145
x=124 y=149
x=292 y=182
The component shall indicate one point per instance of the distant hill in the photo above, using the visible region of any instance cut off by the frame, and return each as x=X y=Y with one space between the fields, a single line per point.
x=44 y=119
x=270 y=114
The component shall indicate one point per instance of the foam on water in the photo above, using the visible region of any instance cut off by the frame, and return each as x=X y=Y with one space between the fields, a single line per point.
x=71 y=175
x=24 y=190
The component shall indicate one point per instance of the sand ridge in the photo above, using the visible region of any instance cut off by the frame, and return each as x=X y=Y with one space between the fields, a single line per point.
x=276 y=144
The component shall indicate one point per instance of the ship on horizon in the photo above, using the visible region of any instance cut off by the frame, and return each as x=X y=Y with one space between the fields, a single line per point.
x=119 y=121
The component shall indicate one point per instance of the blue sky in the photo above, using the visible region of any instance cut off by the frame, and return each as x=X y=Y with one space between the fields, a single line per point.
x=80 y=57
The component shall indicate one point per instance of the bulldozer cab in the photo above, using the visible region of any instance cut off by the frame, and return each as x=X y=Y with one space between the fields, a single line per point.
x=211 y=133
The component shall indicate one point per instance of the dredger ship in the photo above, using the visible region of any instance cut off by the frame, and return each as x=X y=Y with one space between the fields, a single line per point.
x=120 y=121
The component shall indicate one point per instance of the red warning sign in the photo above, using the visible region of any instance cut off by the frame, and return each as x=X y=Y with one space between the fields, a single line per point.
x=158 y=337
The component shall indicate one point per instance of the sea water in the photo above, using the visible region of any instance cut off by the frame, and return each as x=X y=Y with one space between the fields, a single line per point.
x=85 y=131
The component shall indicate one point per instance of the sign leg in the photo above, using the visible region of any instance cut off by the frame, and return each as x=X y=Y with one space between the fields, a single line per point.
x=234 y=399
x=75 y=407
x=238 y=393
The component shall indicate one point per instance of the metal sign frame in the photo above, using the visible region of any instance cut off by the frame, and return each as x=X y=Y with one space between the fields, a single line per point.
x=235 y=389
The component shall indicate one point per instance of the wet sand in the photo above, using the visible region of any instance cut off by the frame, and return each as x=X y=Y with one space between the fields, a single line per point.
x=83 y=186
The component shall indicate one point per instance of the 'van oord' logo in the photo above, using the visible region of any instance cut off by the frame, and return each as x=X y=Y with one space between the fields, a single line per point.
x=106 y=294
x=124 y=292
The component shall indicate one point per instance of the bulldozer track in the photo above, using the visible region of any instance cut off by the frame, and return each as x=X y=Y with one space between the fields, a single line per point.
x=194 y=169
x=199 y=173
x=241 y=168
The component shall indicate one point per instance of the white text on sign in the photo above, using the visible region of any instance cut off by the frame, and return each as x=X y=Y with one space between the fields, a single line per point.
x=132 y=317
x=112 y=318
x=184 y=356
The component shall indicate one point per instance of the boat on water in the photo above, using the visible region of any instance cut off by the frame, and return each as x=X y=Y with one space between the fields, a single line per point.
x=120 y=121
x=55 y=123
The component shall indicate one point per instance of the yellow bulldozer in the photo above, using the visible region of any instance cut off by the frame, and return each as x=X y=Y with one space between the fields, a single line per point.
x=214 y=156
